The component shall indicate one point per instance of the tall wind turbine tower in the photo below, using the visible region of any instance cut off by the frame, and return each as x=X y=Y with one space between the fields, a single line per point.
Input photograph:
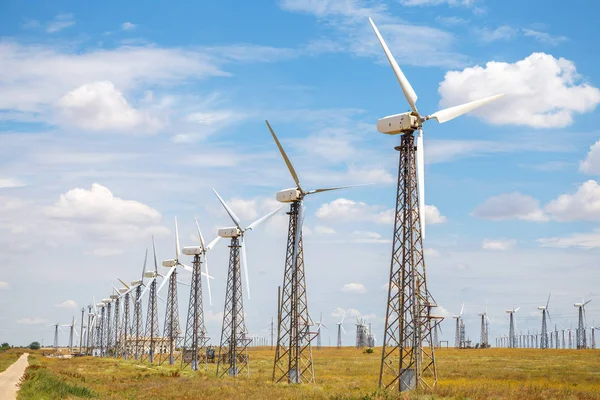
x=233 y=355
x=122 y=348
x=319 y=325
x=138 y=318
x=581 y=338
x=195 y=331
x=293 y=355
x=485 y=321
x=340 y=326
x=545 y=312
x=152 y=329
x=409 y=323
x=512 y=338
x=458 y=341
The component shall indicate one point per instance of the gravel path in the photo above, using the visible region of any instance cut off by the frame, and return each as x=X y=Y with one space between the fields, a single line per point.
x=10 y=378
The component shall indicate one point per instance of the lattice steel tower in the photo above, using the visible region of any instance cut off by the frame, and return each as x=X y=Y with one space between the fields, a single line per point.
x=137 y=328
x=109 y=336
x=152 y=329
x=512 y=338
x=545 y=312
x=581 y=336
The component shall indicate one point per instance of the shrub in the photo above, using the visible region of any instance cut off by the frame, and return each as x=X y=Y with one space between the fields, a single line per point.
x=34 y=346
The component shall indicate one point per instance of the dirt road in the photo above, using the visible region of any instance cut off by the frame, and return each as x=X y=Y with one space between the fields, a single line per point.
x=10 y=378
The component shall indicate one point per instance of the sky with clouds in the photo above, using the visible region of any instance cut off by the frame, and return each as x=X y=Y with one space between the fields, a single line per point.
x=116 y=118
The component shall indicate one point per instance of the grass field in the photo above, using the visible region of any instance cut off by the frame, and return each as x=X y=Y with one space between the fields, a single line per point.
x=341 y=374
x=9 y=356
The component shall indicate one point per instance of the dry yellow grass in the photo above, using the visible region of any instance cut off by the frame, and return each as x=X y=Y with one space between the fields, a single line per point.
x=341 y=374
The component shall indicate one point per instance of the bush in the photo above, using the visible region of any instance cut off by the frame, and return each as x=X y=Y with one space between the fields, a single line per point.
x=369 y=350
x=5 y=345
x=34 y=346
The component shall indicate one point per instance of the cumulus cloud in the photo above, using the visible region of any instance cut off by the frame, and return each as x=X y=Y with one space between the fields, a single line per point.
x=591 y=163
x=99 y=212
x=354 y=288
x=4 y=285
x=583 y=205
x=100 y=106
x=511 y=206
x=67 y=304
x=498 y=244
x=32 y=321
x=541 y=91
x=349 y=210
x=433 y=215
x=544 y=37
x=368 y=237
x=10 y=183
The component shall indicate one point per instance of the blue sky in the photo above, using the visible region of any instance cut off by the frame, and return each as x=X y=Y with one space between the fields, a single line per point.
x=116 y=118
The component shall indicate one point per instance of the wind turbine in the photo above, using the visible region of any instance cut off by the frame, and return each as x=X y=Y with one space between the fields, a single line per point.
x=293 y=355
x=485 y=321
x=152 y=329
x=458 y=342
x=512 y=339
x=195 y=332
x=409 y=231
x=233 y=356
x=319 y=325
x=581 y=338
x=593 y=335
x=122 y=346
x=340 y=326
x=137 y=312
x=545 y=311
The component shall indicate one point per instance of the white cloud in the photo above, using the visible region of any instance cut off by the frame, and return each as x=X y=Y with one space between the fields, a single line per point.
x=324 y=230
x=100 y=106
x=544 y=37
x=350 y=315
x=352 y=34
x=67 y=304
x=348 y=210
x=591 y=164
x=97 y=211
x=4 y=285
x=498 y=244
x=431 y=252
x=32 y=321
x=583 y=205
x=584 y=240
x=433 y=216
x=128 y=26
x=503 y=32
x=541 y=91
x=354 y=288
x=511 y=206
x=10 y=183
x=368 y=237
x=60 y=22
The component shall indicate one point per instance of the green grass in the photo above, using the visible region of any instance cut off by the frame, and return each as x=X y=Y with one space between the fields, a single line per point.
x=9 y=356
x=340 y=374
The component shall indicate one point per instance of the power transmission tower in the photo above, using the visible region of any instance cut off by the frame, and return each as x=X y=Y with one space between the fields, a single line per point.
x=293 y=355
x=233 y=354
x=195 y=332
x=408 y=360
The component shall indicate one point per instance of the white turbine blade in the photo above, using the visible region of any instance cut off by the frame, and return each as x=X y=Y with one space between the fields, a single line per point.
x=324 y=326
x=146 y=289
x=117 y=290
x=95 y=309
x=187 y=267
x=144 y=267
x=548 y=302
x=462 y=309
x=206 y=275
x=245 y=265
x=200 y=234
x=123 y=283
x=342 y=326
x=337 y=188
x=285 y=157
x=517 y=309
x=343 y=316
x=263 y=219
x=208 y=280
x=177 y=247
x=421 y=180
x=166 y=279
x=587 y=302
x=213 y=243
x=409 y=92
x=234 y=217
x=154 y=250
x=456 y=111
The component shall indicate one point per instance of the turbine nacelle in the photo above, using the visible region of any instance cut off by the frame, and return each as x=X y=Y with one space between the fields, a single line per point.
x=114 y=296
x=578 y=304
x=122 y=290
x=106 y=301
x=398 y=123
x=99 y=304
x=229 y=232
x=289 y=195
x=169 y=263
x=150 y=274
x=136 y=283
x=543 y=308
x=192 y=250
